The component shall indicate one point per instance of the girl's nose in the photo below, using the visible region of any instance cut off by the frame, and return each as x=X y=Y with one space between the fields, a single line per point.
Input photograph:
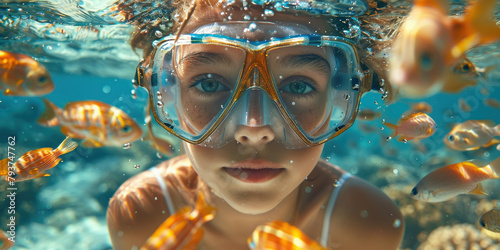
x=253 y=136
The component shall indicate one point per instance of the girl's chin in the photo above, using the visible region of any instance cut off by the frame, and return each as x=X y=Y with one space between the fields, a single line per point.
x=252 y=204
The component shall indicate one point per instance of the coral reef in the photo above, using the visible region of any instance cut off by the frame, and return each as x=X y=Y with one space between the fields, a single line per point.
x=458 y=237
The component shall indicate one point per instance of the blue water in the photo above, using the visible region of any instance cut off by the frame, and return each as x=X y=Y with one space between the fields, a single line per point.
x=68 y=209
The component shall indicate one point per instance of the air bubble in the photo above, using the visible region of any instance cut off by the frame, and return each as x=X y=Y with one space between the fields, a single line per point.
x=159 y=104
x=246 y=17
x=252 y=27
x=127 y=145
x=328 y=158
x=268 y=12
x=293 y=103
x=106 y=89
x=308 y=189
x=397 y=223
x=158 y=34
x=158 y=155
x=278 y=6
x=137 y=166
x=158 y=94
x=133 y=93
x=291 y=161
x=388 y=138
x=364 y=214
x=405 y=140
x=346 y=97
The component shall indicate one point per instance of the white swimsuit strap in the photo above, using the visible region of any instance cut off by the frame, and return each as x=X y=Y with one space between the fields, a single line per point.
x=329 y=209
x=164 y=190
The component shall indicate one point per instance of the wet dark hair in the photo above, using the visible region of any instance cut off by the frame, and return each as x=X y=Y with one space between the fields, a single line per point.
x=156 y=18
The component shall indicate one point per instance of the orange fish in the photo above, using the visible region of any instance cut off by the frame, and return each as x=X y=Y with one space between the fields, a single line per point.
x=182 y=230
x=6 y=243
x=459 y=178
x=464 y=74
x=23 y=76
x=279 y=235
x=414 y=126
x=99 y=123
x=34 y=163
x=473 y=134
x=430 y=43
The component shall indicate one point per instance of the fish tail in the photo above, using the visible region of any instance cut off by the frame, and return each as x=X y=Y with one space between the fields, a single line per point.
x=206 y=211
x=67 y=145
x=393 y=128
x=496 y=129
x=49 y=115
x=479 y=19
x=495 y=166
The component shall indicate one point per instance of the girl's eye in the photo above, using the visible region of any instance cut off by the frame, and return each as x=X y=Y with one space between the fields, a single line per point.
x=297 y=87
x=209 y=83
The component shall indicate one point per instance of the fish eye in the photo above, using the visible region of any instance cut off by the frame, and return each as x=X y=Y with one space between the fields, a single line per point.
x=426 y=61
x=126 y=128
x=42 y=79
x=482 y=223
x=414 y=191
x=451 y=138
x=466 y=67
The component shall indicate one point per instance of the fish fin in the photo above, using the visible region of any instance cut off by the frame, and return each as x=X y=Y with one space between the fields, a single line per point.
x=68 y=132
x=441 y=5
x=195 y=240
x=479 y=19
x=487 y=122
x=49 y=115
x=492 y=142
x=206 y=211
x=41 y=175
x=478 y=190
x=393 y=128
x=9 y=92
x=90 y=143
x=67 y=145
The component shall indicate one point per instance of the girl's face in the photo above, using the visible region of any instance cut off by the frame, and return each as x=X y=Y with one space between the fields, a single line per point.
x=254 y=172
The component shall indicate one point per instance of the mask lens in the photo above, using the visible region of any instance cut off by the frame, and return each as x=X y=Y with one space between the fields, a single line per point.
x=195 y=82
x=314 y=84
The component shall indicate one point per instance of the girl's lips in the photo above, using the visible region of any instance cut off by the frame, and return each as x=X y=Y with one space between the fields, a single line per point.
x=252 y=175
x=254 y=171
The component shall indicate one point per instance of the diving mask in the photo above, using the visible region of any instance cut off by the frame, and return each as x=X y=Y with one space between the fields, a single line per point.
x=205 y=85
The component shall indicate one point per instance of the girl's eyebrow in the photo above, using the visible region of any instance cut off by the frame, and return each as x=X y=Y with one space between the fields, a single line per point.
x=205 y=58
x=309 y=60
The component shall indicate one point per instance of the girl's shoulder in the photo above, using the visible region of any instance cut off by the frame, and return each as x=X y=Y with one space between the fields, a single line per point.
x=141 y=203
x=363 y=214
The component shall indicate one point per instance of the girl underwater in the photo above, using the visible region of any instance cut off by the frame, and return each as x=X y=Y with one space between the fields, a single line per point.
x=254 y=96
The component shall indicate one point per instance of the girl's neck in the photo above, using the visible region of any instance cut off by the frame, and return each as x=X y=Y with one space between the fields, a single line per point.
x=238 y=226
